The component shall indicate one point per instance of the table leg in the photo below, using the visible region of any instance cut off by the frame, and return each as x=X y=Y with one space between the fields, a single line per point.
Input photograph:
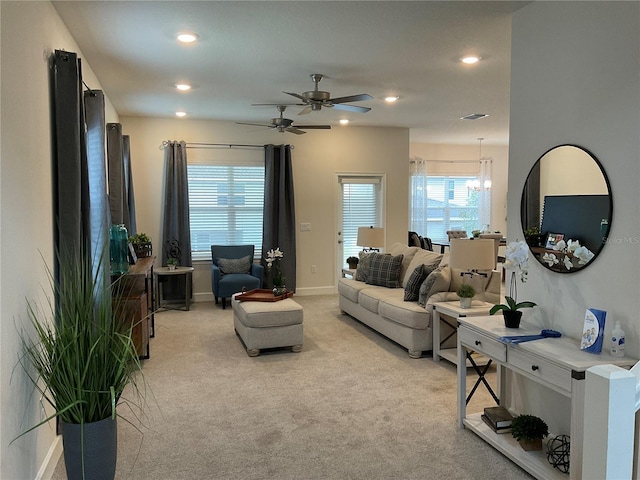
x=436 y=335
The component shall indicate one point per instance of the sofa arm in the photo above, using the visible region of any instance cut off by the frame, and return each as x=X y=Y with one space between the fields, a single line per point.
x=257 y=270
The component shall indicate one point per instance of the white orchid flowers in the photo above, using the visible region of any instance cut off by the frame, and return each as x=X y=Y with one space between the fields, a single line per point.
x=272 y=255
x=567 y=250
x=517 y=258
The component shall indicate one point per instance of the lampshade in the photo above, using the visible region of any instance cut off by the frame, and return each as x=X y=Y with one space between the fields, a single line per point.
x=370 y=237
x=476 y=254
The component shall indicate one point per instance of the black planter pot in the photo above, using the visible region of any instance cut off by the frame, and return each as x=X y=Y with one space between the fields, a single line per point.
x=512 y=318
x=100 y=449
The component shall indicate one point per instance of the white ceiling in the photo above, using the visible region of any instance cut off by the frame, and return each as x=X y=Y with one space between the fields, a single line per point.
x=250 y=52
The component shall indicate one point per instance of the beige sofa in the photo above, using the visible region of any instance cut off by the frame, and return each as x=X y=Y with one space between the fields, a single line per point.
x=408 y=323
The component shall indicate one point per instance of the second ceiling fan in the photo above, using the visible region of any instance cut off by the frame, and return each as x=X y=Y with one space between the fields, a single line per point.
x=282 y=124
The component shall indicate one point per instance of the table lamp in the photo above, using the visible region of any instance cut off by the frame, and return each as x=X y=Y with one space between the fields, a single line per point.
x=472 y=256
x=370 y=238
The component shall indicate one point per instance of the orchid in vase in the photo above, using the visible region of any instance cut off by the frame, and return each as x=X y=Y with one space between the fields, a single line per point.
x=566 y=251
x=273 y=259
x=516 y=260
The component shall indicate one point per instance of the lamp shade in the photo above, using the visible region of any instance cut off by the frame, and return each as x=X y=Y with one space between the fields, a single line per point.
x=476 y=254
x=371 y=237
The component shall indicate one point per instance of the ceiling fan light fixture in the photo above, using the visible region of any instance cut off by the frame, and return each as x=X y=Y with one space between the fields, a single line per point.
x=474 y=116
x=470 y=59
x=187 y=37
x=391 y=99
x=183 y=87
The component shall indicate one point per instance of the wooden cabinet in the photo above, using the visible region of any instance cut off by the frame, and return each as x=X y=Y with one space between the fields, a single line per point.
x=134 y=296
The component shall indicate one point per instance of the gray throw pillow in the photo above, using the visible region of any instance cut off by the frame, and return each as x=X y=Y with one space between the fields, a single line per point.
x=384 y=270
x=362 y=272
x=235 y=265
x=417 y=278
x=436 y=281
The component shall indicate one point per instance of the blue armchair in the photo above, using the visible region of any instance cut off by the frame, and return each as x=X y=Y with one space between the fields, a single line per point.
x=233 y=269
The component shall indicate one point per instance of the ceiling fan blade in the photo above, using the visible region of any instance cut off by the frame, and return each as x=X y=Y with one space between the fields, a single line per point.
x=277 y=104
x=255 y=124
x=294 y=130
x=295 y=95
x=352 y=108
x=314 y=127
x=305 y=110
x=352 y=98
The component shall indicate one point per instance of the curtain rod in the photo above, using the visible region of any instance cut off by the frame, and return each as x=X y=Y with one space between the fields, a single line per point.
x=216 y=145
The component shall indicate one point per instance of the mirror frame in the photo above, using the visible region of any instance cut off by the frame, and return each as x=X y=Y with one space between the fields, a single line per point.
x=523 y=201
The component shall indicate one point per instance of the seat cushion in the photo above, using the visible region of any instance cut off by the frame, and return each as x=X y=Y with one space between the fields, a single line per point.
x=350 y=289
x=235 y=282
x=268 y=314
x=410 y=314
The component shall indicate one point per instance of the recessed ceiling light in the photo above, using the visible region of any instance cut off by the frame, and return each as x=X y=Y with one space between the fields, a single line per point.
x=343 y=121
x=181 y=114
x=187 y=37
x=470 y=59
x=474 y=116
x=183 y=86
x=391 y=99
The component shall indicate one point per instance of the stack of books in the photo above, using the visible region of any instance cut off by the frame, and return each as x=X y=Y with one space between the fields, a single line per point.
x=498 y=418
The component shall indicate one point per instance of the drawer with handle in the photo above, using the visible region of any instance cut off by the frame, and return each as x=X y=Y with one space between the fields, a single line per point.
x=483 y=344
x=537 y=367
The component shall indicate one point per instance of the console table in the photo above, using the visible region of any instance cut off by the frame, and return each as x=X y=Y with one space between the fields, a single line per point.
x=554 y=363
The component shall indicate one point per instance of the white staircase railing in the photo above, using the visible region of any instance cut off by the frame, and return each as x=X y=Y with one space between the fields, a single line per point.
x=612 y=398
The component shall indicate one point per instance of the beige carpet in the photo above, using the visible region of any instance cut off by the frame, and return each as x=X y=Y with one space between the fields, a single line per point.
x=351 y=405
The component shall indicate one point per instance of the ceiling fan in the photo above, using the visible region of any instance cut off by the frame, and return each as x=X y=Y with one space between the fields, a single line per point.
x=315 y=99
x=286 y=125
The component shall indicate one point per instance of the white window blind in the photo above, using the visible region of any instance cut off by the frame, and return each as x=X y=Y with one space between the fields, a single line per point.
x=361 y=206
x=225 y=206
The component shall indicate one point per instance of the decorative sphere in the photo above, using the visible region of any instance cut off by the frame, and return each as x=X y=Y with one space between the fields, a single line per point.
x=558 y=449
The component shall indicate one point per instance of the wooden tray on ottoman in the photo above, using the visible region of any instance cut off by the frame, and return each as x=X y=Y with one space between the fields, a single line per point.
x=261 y=295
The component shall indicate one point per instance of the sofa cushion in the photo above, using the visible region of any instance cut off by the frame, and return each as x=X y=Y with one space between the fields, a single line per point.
x=350 y=288
x=410 y=314
x=408 y=253
x=362 y=271
x=412 y=288
x=437 y=281
x=424 y=257
x=235 y=265
x=369 y=299
x=384 y=270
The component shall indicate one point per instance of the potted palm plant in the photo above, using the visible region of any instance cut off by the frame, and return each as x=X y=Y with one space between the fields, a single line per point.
x=466 y=293
x=529 y=431
x=80 y=357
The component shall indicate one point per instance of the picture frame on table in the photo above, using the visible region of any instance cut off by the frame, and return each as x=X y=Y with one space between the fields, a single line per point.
x=133 y=258
x=553 y=239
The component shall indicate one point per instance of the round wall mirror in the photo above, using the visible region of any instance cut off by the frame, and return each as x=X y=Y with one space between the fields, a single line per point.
x=566 y=209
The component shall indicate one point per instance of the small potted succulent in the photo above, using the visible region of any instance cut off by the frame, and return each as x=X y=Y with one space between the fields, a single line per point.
x=529 y=431
x=353 y=262
x=172 y=263
x=466 y=293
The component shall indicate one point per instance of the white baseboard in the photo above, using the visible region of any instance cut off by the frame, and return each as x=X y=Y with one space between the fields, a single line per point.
x=51 y=460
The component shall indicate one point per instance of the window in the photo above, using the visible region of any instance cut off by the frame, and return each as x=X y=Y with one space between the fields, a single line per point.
x=225 y=206
x=361 y=206
x=450 y=205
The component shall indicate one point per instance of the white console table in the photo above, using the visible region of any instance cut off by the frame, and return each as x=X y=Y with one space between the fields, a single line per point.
x=554 y=363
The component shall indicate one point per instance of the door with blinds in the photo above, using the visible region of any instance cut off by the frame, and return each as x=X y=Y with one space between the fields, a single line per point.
x=360 y=206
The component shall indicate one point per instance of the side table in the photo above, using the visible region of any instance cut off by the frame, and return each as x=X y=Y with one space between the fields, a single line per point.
x=165 y=271
x=442 y=311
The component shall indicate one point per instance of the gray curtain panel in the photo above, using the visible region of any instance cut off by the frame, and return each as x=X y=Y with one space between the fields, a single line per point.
x=128 y=175
x=117 y=188
x=99 y=214
x=279 y=228
x=176 y=231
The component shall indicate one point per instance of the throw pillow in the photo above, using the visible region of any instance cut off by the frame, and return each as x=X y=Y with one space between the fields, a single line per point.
x=384 y=270
x=412 y=287
x=418 y=276
x=362 y=272
x=234 y=265
x=437 y=281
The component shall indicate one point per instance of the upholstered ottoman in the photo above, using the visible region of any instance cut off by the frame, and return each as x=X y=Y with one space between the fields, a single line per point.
x=268 y=324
